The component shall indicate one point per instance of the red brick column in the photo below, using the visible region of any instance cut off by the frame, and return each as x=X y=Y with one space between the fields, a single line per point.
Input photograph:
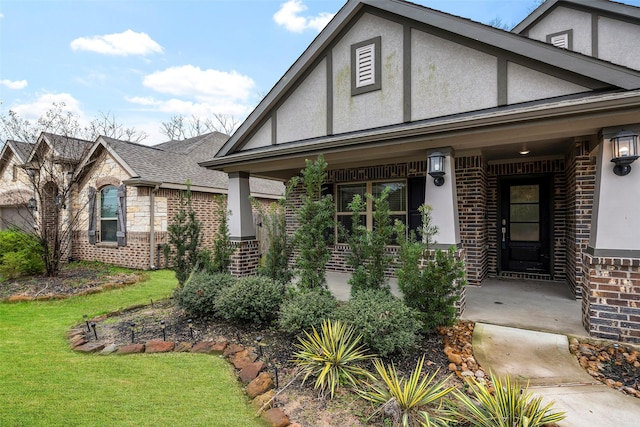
x=244 y=261
x=611 y=298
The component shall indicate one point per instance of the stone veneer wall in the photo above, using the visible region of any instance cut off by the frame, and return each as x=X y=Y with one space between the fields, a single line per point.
x=581 y=177
x=555 y=167
x=471 y=182
x=611 y=298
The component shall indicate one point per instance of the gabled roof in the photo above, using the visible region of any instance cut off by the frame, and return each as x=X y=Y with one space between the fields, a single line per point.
x=601 y=6
x=65 y=148
x=19 y=149
x=593 y=69
x=172 y=163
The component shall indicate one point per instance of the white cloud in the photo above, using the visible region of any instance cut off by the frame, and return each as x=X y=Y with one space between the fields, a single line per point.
x=288 y=16
x=188 y=108
x=44 y=103
x=121 y=44
x=15 y=84
x=190 y=81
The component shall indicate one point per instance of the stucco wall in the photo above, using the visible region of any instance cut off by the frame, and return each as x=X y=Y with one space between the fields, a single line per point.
x=262 y=138
x=525 y=84
x=619 y=42
x=372 y=109
x=445 y=77
x=562 y=19
x=304 y=114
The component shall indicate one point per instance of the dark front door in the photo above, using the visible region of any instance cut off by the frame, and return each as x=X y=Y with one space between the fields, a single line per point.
x=524 y=229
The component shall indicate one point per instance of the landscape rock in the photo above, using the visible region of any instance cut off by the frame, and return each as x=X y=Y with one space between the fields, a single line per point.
x=18 y=298
x=182 y=347
x=91 y=347
x=202 y=347
x=260 y=385
x=156 y=346
x=243 y=358
x=259 y=401
x=276 y=418
x=251 y=371
x=111 y=348
x=131 y=349
x=232 y=349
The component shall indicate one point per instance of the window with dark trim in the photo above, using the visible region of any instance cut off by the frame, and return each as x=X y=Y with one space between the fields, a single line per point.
x=109 y=214
x=563 y=39
x=14 y=173
x=397 y=202
x=365 y=66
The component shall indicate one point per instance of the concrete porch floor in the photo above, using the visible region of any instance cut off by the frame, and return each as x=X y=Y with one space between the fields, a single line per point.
x=526 y=304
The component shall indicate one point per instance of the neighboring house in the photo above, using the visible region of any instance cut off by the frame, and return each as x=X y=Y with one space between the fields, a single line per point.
x=15 y=187
x=128 y=194
x=119 y=196
x=518 y=133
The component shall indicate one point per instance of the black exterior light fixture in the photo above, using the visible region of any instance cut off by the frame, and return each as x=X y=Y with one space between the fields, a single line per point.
x=59 y=201
x=132 y=327
x=32 y=204
x=163 y=326
x=190 y=323
x=436 y=168
x=625 y=151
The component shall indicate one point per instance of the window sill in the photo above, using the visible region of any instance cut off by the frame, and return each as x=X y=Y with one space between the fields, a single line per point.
x=107 y=244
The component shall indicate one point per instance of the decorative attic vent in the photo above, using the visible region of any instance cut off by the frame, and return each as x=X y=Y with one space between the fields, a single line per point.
x=365 y=70
x=365 y=66
x=562 y=40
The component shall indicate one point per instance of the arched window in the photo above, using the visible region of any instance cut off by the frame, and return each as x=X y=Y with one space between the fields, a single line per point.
x=109 y=214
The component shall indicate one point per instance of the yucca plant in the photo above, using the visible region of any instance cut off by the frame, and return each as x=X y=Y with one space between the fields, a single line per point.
x=509 y=406
x=409 y=401
x=331 y=356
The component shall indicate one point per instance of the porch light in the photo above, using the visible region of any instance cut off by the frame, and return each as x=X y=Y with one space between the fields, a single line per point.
x=60 y=201
x=32 y=204
x=436 y=168
x=625 y=151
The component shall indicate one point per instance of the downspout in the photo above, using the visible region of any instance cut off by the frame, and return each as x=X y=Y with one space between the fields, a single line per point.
x=152 y=228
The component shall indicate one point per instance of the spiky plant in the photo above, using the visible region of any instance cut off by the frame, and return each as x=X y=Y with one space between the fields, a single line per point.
x=509 y=406
x=331 y=356
x=409 y=401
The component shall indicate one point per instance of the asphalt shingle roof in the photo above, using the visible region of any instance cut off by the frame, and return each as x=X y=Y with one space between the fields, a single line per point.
x=176 y=162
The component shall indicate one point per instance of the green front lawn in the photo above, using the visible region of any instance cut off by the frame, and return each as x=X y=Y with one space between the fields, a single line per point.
x=44 y=383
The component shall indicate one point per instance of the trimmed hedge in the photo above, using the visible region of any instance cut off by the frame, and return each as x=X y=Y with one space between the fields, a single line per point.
x=251 y=299
x=200 y=292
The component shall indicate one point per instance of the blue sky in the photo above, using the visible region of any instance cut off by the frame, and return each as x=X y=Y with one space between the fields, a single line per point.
x=145 y=61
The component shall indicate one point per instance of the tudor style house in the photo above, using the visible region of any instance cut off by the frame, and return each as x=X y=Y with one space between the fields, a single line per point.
x=522 y=141
x=119 y=196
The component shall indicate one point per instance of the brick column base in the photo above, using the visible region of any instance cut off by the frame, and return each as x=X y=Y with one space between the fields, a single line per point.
x=244 y=261
x=611 y=298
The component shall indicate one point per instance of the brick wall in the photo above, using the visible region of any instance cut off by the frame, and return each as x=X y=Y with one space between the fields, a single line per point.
x=611 y=298
x=244 y=261
x=471 y=181
x=581 y=177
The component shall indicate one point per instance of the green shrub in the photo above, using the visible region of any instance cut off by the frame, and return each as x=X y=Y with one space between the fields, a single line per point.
x=20 y=254
x=509 y=406
x=200 y=292
x=409 y=401
x=435 y=288
x=306 y=309
x=385 y=322
x=254 y=299
x=332 y=356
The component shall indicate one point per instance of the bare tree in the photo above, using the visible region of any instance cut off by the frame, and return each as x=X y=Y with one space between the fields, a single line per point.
x=51 y=173
x=497 y=22
x=179 y=128
x=107 y=125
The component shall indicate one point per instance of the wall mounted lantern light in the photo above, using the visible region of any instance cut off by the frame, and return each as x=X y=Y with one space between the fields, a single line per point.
x=32 y=204
x=60 y=201
x=625 y=151
x=436 y=168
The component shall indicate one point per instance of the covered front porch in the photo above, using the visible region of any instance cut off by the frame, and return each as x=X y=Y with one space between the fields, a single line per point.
x=547 y=306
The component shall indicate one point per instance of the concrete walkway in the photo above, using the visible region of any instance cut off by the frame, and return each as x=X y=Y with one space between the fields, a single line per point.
x=543 y=359
x=509 y=316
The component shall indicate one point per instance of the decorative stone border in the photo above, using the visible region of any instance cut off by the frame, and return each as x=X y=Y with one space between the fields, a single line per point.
x=94 y=290
x=259 y=384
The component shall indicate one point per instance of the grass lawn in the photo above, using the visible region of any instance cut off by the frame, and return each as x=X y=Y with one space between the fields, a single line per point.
x=44 y=383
